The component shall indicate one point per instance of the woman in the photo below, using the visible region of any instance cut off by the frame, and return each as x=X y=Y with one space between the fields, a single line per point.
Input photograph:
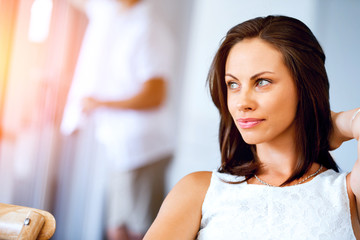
x=277 y=179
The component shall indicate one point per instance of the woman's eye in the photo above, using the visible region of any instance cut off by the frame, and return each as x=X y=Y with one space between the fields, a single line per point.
x=233 y=85
x=263 y=82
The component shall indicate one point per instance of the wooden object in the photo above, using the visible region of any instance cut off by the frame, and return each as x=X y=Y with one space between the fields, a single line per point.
x=18 y=222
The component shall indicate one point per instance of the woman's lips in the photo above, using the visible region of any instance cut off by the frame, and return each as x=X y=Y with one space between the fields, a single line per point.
x=248 y=122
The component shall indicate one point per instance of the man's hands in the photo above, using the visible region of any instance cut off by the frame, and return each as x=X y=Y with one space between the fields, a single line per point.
x=89 y=104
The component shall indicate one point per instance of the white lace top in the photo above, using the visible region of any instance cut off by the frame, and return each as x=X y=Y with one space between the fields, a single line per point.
x=318 y=209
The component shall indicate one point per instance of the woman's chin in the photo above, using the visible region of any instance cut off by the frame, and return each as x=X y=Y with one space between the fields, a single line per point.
x=252 y=140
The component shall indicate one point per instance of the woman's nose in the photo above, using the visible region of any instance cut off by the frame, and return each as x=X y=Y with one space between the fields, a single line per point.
x=246 y=101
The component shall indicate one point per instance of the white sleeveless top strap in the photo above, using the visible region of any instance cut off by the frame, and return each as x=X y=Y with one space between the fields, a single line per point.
x=318 y=209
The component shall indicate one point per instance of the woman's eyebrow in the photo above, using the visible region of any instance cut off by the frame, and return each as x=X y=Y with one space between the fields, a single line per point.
x=253 y=77
x=260 y=73
x=230 y=75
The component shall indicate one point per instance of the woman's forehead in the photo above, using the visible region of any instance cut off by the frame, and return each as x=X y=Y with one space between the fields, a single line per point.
x=253 y=55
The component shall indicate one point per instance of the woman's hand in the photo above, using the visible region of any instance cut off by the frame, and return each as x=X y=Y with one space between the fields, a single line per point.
x=355 y=124
x=341 y=129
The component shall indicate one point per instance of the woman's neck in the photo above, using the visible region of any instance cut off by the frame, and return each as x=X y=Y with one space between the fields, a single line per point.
x=278 y=163
x=279 y=160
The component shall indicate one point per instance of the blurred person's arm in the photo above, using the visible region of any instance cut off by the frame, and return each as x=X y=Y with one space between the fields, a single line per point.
x=151 y=95
x=180 y=214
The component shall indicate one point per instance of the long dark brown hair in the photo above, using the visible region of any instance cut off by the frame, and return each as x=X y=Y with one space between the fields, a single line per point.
x=305 y=59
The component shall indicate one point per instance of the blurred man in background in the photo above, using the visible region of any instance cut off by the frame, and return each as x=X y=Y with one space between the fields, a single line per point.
x=122 y=83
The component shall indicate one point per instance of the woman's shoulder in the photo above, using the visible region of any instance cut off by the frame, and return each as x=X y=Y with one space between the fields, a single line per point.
x=180 y=213
x=190 y=189
x=204 y=178
x=197 y=179
x=194 y=185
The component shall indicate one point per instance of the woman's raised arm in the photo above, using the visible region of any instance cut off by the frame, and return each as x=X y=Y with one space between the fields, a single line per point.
x=180 y=213
x=346 y=127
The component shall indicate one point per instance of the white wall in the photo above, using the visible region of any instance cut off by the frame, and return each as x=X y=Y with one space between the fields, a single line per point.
x=198 y=145
x=338 y=30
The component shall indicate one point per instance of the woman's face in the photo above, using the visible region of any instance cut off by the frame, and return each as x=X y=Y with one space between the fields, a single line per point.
x=261 y=92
